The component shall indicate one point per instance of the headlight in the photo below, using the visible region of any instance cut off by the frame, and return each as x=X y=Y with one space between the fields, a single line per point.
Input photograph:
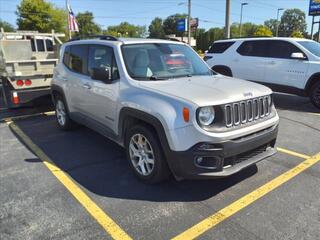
x=206 y=115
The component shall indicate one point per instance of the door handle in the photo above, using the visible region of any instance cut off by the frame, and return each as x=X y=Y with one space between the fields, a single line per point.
x=64 y=79
x=272 y=62
x=86 y=86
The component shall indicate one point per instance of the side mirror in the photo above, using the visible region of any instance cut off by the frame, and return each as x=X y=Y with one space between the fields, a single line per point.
x=101 y=74
x=298 y=55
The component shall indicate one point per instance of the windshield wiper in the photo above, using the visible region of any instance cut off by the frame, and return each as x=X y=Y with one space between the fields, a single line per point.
x=157 y=78
x=181 y=76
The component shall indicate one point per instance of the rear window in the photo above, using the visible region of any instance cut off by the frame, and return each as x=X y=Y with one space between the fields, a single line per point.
x=66 y=56
x=75 y=58
x=253 y=48
x=220 y=47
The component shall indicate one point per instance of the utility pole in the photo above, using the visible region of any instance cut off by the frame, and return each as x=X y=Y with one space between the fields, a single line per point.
x=189 y=22
x=242 y=4
x=277 y=31
x=227 y=24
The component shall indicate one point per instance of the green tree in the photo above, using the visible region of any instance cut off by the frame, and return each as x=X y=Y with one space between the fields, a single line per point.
x=86 y=24
x=272 y=25
x=292 y=20
x=263 y=31
x=7 y=27
x=296 y=34
x=156 y=28
x=126 y=29
x=170 y=24
x=41 y=16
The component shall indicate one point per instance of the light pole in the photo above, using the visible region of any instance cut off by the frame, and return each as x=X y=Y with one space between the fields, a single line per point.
x=189 y=22
x=277 y=31
x=242 y=4
x=227 y=23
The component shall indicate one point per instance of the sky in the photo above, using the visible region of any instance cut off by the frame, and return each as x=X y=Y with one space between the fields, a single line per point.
x=211 y=13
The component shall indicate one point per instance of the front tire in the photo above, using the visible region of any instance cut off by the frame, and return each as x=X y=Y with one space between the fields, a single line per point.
x=62 y=115
x=145 y=155
x=315 y=94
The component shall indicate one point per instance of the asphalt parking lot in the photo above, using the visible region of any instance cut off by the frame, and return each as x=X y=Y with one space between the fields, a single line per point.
x=77 y=185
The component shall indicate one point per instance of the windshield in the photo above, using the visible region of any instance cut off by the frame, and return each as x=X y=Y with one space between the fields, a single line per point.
x=311 y=46
x=152 y=61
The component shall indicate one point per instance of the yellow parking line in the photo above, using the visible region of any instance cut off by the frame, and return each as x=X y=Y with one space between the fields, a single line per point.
x=293 y=153
x=27 y=116
x=96 y=212
x=245 y=201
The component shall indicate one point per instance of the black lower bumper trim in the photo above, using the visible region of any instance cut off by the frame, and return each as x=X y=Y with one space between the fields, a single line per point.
x=226 y=158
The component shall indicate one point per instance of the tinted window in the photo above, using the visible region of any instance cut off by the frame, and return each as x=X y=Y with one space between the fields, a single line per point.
x=66 y=56
x=220 y=47
x=49 y=45
x=282 y=49
x=40 y=45
x=78 y=58
x=103 y=57
x=253 y=48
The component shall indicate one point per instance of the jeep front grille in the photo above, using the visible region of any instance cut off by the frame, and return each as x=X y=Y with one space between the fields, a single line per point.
x=243 y=112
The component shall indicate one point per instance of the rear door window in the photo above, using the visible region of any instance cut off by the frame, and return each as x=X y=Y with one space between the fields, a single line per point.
x=281 y=49
x=220 y=47
x=78 y=58
x=256 y=48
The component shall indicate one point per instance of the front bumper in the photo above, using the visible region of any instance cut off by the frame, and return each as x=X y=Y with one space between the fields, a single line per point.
x=210 y=160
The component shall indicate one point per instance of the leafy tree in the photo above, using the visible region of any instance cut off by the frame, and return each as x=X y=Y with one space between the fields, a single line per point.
x=247 y=29
x=272 y=25
x=126 y=29
x=296 y=34
x=292 y=20
x=7 y=27
x=263 y=31
x=86 y=24
x=41 y=16
x=170 y=24
x=156 y=29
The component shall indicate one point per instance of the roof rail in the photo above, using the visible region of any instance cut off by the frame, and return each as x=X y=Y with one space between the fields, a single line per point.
x=100 y=37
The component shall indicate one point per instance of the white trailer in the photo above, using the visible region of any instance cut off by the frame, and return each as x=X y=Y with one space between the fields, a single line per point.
x=27 y=60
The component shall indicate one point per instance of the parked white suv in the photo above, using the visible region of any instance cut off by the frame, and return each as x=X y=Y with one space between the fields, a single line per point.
x=160 y=101
x=290 y=65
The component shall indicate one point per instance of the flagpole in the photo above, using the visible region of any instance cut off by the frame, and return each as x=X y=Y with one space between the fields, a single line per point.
x=68 y=19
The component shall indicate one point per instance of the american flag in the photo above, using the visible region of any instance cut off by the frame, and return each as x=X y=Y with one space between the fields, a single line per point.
x=73 y=25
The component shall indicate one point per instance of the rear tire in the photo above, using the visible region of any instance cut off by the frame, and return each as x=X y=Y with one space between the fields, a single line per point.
x=315 y=94
x=145 y=155
x=62 y=115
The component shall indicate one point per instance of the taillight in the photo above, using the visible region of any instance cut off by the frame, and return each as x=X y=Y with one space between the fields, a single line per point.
x=27 y=82
x=20 y=83
x=15 y=98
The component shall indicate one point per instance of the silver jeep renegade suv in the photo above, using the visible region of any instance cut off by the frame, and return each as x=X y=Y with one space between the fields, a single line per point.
x=161 y=102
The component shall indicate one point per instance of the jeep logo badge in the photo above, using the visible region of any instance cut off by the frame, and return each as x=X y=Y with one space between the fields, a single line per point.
x=248 y=94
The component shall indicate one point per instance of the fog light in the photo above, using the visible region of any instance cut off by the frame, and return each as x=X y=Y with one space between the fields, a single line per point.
x=207 y=162
x=199 y=160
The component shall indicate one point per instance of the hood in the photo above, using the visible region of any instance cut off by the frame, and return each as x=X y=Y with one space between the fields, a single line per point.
x=208 y=90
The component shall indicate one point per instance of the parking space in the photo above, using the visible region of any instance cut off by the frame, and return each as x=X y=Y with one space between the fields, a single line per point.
x=103 y=199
